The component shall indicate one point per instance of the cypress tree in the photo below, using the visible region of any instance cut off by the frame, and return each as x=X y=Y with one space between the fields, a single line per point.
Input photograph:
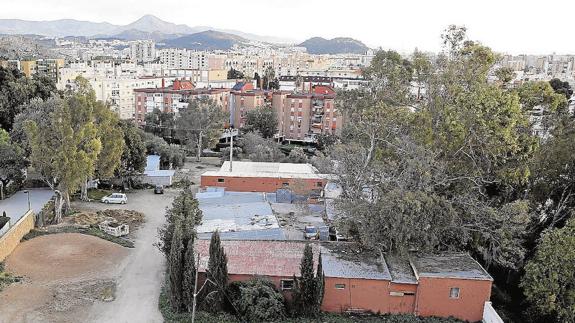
x=176 y=268
x=307 y=286
x=320 y=283
x=217 y=273
x=189 y=275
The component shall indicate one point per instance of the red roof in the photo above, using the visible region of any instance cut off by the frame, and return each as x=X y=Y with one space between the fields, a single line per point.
x=323 y=89
x=263 y=258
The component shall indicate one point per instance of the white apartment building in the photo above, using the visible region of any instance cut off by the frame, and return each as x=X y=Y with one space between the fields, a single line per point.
x=143 y=50
x=184 y=59
x=119 y=92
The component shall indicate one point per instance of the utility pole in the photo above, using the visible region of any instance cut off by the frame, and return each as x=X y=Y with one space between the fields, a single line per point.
x=195 y=289
x=231 y=147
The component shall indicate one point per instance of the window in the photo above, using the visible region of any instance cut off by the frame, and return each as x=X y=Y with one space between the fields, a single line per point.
x=319 y=184
x=221 y=180
x=286 y=284
x=339 y=286
x=285 y=184
x=454 y=292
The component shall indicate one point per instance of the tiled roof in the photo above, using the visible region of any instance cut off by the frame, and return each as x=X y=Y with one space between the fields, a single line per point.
x=265 y=258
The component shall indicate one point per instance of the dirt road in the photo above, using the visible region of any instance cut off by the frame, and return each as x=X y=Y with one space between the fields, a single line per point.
x=141 y=274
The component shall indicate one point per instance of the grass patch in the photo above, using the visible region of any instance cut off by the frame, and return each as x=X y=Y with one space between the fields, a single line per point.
x=97 y=194
x=6 y=278
x=93 y=231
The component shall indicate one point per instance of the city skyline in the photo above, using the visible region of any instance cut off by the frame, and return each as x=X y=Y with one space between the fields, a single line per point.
x=514 y=27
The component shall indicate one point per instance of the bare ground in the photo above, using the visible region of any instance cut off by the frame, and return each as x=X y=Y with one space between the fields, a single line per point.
x=63 y=273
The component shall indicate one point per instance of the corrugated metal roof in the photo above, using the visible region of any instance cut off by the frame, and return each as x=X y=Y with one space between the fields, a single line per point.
x=235 y=212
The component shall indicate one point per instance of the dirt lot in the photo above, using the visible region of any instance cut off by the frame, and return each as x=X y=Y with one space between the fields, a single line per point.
x=63 y=273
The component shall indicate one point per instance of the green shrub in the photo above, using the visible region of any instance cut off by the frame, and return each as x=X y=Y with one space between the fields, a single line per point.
x=257 y=300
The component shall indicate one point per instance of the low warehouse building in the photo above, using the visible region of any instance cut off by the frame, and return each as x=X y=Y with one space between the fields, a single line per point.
x=430 y=285
x=266 y=177
x=153 y=175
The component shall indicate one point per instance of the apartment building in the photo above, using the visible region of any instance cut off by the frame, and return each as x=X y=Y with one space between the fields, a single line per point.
x=49 y=67
x=244 y=98
x=143 y=51
x=303 y=116
x=174 y=98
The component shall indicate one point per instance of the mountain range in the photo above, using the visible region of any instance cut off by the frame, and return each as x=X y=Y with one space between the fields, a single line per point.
x=169 y=34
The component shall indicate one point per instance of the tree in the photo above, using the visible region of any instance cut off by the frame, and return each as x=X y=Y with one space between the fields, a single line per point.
x=549 y=281
x=133 y=158
x=307 y=296
x=561 y=87
x=110 y=135
x=16 y=90
x=12 y=163
x=505 y=74
x=160 y=123
x=297 y=155
x=217 y=274
x=234 y=74
x=65 y=153
x=184 y=206
x=176 y=267
x=200 y=123
x=257 y=300
x=260 y=149
x=263 y=120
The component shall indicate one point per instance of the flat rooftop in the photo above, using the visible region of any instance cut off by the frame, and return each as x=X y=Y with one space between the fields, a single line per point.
x=455 y=265
x=237 y=215
x=261 y=169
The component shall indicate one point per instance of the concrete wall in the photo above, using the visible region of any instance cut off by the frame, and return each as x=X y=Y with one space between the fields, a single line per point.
x=371 y=295
x=433 y=298
x=10 y=240
x=262 y=184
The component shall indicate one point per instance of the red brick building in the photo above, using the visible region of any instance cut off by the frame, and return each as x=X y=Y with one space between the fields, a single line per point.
x=265 y=177
x=439 y=285
x=302 y=116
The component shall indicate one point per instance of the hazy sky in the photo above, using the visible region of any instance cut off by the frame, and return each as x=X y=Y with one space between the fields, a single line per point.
x=512 y=26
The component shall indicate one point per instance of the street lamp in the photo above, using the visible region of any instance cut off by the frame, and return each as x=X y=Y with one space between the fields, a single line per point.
x=29 y=205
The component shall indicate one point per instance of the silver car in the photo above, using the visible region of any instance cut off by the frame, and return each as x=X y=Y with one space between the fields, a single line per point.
x=117 y=198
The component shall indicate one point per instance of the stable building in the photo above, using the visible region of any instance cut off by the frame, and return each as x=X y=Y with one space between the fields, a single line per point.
x=243 y=176
x=443 y=285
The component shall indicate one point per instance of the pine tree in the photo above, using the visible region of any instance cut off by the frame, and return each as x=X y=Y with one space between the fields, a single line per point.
x=176 y=268
x=217 y=273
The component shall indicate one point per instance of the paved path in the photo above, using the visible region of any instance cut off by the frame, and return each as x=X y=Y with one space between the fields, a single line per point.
x=16 y=205
x=142 y=273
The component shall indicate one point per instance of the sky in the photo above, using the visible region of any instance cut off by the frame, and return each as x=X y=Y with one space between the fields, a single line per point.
x=508 y=26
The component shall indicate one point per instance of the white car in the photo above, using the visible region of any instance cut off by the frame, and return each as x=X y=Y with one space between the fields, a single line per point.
x=118 y=198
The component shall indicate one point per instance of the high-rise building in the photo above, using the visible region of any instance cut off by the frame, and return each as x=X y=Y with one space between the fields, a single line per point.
x=143 y=51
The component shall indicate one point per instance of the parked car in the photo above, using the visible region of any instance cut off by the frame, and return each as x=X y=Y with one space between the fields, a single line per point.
x=311 y=233
x=118 y=198
x=159 y=189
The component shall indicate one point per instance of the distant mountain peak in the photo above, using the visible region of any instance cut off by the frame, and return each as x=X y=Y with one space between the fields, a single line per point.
x=338 y=45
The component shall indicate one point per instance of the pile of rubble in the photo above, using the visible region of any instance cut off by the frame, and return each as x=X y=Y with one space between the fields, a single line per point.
x=132 y=218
